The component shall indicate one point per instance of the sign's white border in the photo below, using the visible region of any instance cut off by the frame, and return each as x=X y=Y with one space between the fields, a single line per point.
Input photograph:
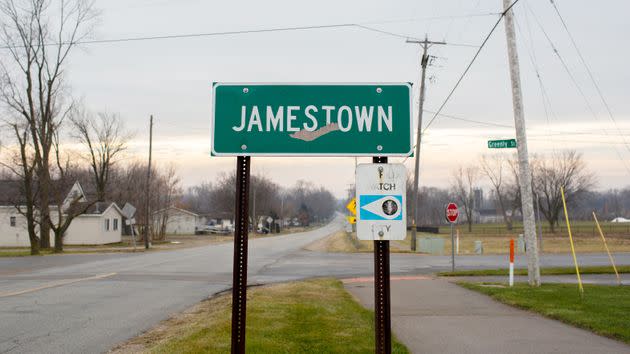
x=217 y=84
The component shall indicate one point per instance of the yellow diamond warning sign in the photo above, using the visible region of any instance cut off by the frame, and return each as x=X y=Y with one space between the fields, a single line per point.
x=352 y=206
x=352 y=219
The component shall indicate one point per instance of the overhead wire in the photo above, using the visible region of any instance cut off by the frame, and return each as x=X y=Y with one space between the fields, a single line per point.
x=461 y=78
x=448 y=97
x=587 y=67
x=577 y=85
x=531 y=53
x=362 y=25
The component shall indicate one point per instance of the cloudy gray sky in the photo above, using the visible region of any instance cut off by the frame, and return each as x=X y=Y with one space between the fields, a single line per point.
x=171 y=78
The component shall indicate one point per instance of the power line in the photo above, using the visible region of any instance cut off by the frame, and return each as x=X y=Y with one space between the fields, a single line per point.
x=262 y=30
x=588 y=69
x=577 y=86
x=448 y=97
x=195 y=35
x=471 y=120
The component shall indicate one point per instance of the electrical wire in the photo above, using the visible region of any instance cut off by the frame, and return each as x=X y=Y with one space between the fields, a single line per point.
x=588 y=69
x=448 y=97
x=577 y=86
x=362 y=25
x=472 y=61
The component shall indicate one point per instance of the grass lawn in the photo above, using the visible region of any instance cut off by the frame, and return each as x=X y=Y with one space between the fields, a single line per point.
x=604 y=310
x=315 y=316
x=543 y=271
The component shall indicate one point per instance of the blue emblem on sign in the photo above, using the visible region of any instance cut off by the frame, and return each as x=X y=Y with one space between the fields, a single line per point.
x=380 y=207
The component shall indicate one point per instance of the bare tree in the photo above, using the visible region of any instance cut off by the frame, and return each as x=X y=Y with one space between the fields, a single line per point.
x=464 y=182
x=104 y=139
x=38 y=36
x=566 y=169
x=168 y=194
x=67 y=206
x=493 y=167
x=22 y=166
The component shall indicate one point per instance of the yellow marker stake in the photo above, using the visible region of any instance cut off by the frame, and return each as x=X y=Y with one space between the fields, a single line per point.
x=566 y=215
x=612 y=260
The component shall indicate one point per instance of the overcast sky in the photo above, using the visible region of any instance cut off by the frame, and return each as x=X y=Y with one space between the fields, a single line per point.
x=172 y=78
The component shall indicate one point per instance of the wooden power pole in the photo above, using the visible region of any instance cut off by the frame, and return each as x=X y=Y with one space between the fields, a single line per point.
x=148 y=188
x=416 y=175
x=524 y=171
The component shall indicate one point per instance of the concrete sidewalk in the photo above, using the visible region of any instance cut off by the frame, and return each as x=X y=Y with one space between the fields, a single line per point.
x=435 y=316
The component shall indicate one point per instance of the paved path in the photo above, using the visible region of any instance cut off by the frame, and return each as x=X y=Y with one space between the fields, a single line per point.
x=435 y=316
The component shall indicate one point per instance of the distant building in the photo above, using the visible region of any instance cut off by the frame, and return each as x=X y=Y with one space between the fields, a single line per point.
x=100 y=224
x=176 y=221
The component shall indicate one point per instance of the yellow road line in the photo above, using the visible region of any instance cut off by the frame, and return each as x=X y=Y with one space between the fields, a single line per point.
x=55 y=284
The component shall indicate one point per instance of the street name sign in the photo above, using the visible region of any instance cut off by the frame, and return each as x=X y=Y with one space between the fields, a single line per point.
x=312 y=119
x=381 y=201
x=502 y=144
x=452 y=213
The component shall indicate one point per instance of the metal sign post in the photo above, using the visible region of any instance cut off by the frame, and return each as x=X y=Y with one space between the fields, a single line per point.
x=239 y=271
x=382 y=295
x=452 y=213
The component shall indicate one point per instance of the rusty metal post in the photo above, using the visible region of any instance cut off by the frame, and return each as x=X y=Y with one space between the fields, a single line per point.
x=239 y=272
x=382 y=295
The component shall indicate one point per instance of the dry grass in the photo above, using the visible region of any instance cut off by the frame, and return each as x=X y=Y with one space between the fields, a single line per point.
x=312 y=316
x=344 y=242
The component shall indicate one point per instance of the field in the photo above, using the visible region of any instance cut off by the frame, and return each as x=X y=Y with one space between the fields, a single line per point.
x=604 y=310
x=314 y=316
x=496 y=238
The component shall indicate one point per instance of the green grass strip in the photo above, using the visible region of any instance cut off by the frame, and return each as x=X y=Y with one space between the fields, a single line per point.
x=543 y=271
x=604 y=310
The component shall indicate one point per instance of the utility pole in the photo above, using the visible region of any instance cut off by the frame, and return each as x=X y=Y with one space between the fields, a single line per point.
x=414 y=206
x=148 y=188
x=524 y=171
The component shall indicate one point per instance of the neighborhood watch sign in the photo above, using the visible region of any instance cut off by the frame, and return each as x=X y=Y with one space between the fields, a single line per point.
x=312 y=119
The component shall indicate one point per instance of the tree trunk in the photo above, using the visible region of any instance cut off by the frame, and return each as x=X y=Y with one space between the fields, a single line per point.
x=58 y=242
x=552 y=225
x=44 y=206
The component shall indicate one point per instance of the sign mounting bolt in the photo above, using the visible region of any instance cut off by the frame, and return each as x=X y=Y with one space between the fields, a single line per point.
x=245 y=90
x=379 y=147
x=379 y=90
x=243 y=147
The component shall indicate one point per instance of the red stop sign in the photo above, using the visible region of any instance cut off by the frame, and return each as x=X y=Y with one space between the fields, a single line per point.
x=452 y=212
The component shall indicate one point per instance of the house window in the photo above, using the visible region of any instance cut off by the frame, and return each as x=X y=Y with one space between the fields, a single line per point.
x=115 y=224
x=106 y=224
x=12 y=220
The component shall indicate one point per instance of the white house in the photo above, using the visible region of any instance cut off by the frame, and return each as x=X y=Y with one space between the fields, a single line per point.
x=100 y=224
x=176 y=221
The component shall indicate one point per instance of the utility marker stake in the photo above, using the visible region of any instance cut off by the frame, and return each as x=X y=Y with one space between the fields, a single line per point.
x=612 y=260
x=577 y=269
x=511 y=262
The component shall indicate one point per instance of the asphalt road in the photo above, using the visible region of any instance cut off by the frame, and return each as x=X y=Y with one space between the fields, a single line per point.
x=89 y=303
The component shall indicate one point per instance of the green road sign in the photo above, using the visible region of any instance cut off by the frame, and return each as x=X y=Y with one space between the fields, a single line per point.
x=312 y=119
x=502 y=144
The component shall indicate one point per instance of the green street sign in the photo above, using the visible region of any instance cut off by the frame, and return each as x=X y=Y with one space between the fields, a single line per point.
x=502 y=144
x=312 y=119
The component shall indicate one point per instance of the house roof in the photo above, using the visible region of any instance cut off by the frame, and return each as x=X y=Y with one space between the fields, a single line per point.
x=11 y=192
x=176 y=209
